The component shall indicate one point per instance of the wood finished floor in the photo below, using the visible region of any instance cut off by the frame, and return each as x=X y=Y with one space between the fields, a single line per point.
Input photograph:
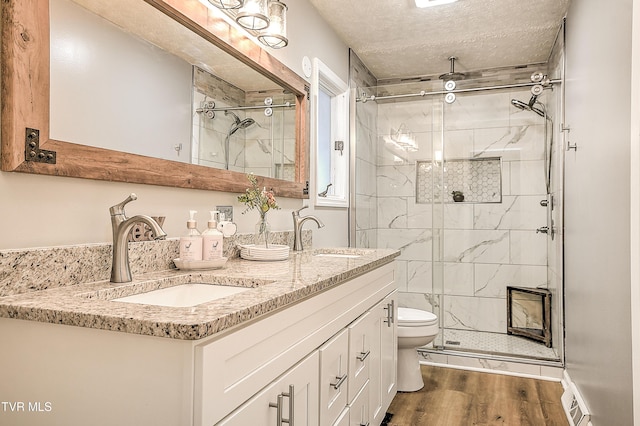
x=453 y=397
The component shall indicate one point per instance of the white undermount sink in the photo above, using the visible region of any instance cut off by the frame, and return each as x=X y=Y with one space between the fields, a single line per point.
x=183 y=295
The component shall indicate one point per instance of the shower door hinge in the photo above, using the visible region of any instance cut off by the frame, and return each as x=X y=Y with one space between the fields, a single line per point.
x=32 y=151
x=305 y=190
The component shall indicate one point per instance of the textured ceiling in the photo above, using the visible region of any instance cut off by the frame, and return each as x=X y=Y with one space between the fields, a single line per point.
x=396 y=39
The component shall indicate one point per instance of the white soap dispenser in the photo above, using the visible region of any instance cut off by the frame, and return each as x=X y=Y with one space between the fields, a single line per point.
x=212 y=239
x=191 y=243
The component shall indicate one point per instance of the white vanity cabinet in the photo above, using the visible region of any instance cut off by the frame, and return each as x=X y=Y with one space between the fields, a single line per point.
x=332 y=352
x=230 y=369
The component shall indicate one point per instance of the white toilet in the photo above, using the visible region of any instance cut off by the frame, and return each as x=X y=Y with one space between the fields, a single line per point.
x=416 y=328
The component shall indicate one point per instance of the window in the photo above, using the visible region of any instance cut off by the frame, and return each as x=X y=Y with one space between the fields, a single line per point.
x=329 y=137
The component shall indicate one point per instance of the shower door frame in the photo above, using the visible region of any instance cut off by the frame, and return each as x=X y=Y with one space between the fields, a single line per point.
x=438 y=236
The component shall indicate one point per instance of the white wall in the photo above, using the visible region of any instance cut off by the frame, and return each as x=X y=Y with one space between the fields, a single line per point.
x=635 y=209
x=597 y=243
x=40 y=211
x=308 y=37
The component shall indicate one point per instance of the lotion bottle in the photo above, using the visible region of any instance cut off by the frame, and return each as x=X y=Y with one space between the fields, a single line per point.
x=212 y=239
x=191 y=243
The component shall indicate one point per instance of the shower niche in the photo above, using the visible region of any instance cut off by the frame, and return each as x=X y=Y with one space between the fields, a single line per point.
x=472 y=180
x=529 y=313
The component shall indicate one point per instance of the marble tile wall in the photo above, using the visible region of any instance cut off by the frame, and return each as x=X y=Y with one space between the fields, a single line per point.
x=267 y=148
x=366 y=116
x=483 y=247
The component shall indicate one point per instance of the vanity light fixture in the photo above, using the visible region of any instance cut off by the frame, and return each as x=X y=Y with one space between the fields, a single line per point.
x=429 y=3
x=254 y=15
x=275 y=35
x=265 y=19
x=227 y=4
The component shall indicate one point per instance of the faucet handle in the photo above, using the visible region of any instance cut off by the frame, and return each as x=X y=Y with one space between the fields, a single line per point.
x=119 y=208
x=297 y=212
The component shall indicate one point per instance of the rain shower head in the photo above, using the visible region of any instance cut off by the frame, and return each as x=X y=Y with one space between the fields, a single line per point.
x=452 y=74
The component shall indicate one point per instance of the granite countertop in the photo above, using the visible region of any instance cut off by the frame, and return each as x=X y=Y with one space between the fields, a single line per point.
x=273 y=286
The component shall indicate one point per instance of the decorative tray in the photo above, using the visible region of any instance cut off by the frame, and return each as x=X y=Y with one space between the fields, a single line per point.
x=200 y=265
x=273 y=252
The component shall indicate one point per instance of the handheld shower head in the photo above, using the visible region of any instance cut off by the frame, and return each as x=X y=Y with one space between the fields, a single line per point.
x=247 y=122
x=529 y=106
x=519 y=104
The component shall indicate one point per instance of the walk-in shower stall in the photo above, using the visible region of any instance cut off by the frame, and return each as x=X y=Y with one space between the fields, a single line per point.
x=464 y=176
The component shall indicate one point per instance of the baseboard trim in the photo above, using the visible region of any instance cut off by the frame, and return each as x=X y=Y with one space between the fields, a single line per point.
x=492 y=371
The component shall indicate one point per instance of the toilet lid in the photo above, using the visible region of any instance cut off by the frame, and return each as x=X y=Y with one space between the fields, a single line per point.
x=410 y=317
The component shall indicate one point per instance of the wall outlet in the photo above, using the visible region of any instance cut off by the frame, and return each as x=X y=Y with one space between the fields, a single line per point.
x=227 y=211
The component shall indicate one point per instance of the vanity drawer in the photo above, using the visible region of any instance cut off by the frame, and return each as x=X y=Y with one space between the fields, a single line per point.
x=361 y=334
x=334 y=377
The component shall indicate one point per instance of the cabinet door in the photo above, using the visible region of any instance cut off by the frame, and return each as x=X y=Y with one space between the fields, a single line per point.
x=275 y=400
x=343 y=420
x=389 y=351
x=359 y=413
x=361 y=335
x=383 y=358
x=334 y=378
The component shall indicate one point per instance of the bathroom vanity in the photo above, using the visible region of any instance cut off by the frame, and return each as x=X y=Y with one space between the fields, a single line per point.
x=312 y=340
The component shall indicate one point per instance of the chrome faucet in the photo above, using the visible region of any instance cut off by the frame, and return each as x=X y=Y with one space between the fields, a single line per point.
x=297 y=227
x=120 y=227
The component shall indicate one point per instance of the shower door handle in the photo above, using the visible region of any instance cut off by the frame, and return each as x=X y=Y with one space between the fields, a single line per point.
x=543 y=230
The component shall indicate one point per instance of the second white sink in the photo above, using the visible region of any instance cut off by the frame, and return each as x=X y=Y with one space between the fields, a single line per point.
x=183 y=295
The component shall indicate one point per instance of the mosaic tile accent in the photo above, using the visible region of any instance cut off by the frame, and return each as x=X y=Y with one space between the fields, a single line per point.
x=286 y=171
x=479 y=180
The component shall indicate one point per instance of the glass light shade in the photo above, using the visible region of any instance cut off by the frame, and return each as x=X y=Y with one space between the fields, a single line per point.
x=254 y=15
x=227 y=4
x=275 y=35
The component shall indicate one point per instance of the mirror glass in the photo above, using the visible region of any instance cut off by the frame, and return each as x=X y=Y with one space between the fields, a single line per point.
x=126 y=77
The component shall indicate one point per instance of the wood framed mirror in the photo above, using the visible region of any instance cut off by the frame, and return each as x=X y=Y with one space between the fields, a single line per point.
x=26 y=143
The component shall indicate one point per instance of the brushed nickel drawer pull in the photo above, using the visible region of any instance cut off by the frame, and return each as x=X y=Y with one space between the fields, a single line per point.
x=341 y=380
x=278 y=407
x=363 y=356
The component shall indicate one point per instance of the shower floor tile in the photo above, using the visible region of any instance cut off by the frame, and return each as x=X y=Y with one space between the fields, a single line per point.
x=495 y=344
